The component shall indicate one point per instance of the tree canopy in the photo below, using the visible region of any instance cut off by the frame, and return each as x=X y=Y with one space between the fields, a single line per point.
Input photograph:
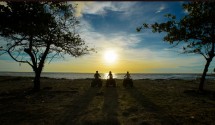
x=36 y=31
x=196 y=31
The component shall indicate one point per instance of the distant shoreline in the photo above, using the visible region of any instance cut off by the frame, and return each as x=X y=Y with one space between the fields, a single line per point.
x=100 y=72
x=103 y=79
x=134 y=76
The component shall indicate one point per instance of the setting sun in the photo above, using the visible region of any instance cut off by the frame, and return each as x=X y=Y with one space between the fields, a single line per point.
x=110 y=56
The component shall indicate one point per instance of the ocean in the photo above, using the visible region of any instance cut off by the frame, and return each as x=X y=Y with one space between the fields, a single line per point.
x=152 y=76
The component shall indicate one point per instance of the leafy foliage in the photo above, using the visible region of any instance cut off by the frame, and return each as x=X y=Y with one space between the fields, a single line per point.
x=31 y=27
x=196 y=31
x=36 y=31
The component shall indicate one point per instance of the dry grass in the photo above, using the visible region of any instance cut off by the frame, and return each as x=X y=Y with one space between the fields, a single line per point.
x=74 y=102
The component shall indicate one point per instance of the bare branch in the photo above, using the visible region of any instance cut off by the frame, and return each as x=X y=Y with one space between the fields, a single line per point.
x=18 y=60
x=53 y=57
x=203 y=55
x=176 y=44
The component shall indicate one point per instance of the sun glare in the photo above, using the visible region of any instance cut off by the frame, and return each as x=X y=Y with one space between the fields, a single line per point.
x=110 y=56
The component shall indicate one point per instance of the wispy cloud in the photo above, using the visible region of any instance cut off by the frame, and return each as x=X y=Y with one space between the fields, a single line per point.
x=126 y=44
x=100 y=8
x=96 y=8
x=160 y=9
x=3 y=3
x=110 y=40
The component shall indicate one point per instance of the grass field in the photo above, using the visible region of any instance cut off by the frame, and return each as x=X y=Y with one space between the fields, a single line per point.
x=74 y=102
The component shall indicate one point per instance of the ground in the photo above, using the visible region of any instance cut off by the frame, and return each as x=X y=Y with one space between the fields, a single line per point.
x=74 y=102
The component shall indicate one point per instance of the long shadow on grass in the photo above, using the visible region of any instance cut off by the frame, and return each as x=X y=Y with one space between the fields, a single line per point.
x=76 y=109
x=149 y=106
x=110 y=107
x=11 y=112
x=15 y=105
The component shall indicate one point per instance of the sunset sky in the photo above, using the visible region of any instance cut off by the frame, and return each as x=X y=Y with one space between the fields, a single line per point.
x=110 y=27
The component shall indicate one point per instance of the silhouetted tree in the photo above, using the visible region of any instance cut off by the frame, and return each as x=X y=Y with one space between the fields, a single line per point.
x=196 y=30
x=35 y=32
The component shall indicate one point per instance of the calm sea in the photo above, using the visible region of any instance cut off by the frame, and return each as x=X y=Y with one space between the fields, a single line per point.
x=104 y=75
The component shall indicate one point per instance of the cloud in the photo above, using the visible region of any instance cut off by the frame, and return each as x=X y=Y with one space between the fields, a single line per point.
x=186 y=11
x=100 y=8
x=3 y=3
x=80 y=7
x=101 y=40
x=97 y=8
x=160 y=9
x=126 y=44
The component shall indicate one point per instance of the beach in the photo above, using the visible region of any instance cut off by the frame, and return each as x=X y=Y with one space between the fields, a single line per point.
x=74 y=102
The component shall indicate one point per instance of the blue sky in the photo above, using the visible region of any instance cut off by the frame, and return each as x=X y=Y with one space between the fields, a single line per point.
x=111 y=26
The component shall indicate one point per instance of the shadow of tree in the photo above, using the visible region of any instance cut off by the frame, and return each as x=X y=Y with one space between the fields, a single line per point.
x=110 y=107
x=76 y=109
x=149 y=106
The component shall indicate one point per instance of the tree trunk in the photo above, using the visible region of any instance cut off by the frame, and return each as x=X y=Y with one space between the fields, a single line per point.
x=201 y=85
x=37 y=81
x=39 y=69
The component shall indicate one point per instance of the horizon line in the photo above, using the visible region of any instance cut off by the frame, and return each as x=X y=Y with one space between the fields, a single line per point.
x=107 y=72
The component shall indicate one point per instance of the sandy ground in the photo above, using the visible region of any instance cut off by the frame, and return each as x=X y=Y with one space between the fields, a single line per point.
x=74 y=102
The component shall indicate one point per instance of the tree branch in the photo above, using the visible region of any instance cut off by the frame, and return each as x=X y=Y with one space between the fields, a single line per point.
x=41 y=63
x=203 y=55
x=18 y=60
x=53 y=57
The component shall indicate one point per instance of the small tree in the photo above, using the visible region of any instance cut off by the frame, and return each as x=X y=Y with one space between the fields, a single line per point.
x=35 y=32
x=196 y=30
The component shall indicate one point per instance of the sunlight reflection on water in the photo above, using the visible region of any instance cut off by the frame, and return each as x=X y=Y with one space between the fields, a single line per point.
x=105 y=75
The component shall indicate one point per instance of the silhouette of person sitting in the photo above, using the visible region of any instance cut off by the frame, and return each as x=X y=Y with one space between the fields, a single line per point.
x=127 y=75
x=97 y=75
x=110 y=75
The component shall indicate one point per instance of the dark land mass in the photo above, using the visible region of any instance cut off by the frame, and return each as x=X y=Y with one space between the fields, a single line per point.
x=74 y=102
